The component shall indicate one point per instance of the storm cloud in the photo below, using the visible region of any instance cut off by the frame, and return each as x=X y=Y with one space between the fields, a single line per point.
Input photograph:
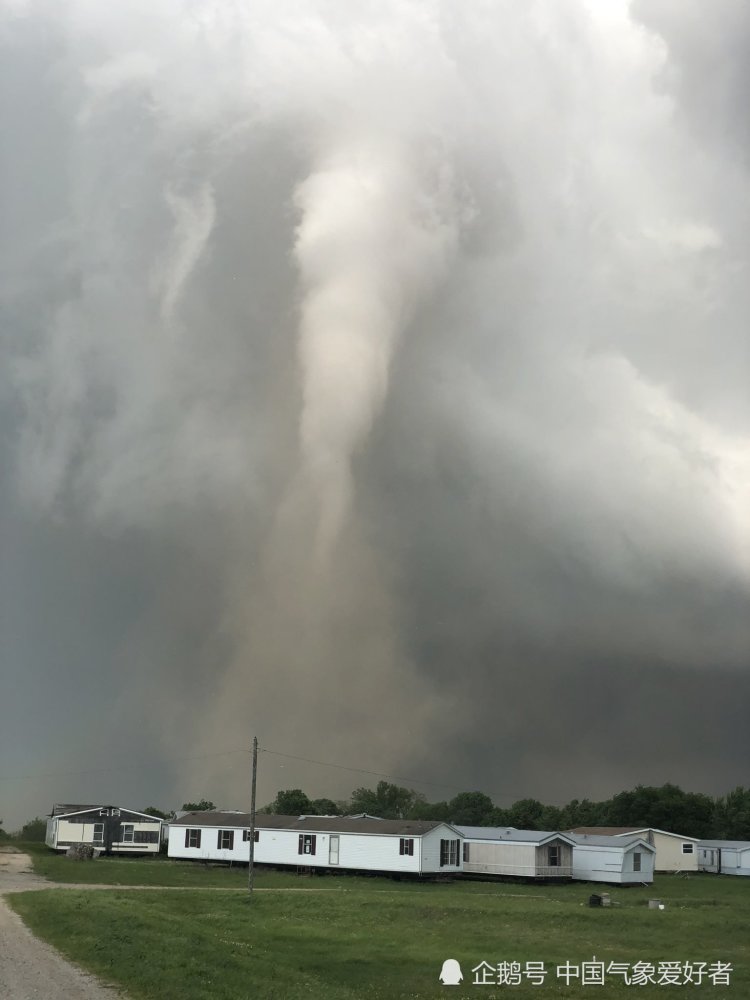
x=375 y=380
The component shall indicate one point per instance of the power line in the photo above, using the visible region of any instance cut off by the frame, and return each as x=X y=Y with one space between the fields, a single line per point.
x=379 y=774
x=244 y=750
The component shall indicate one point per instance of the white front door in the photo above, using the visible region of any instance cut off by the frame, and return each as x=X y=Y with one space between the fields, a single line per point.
x=333 y=850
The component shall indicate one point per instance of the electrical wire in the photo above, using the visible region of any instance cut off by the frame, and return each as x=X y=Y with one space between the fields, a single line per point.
x=246 y=750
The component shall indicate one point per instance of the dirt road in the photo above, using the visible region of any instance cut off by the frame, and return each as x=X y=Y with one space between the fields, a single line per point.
x=29 y=968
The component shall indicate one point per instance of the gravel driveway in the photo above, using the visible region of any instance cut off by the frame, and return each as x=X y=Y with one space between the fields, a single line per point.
x=29 y=968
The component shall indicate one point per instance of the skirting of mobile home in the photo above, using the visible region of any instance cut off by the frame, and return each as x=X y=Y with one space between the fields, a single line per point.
x=408 y=847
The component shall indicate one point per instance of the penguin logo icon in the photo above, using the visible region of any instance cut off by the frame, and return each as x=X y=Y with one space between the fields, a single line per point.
x=450 y=974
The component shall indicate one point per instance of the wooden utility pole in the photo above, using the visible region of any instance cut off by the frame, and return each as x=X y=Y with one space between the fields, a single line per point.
x=250 y=867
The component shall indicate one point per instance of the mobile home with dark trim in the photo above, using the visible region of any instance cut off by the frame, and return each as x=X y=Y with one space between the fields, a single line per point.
x=109 y=829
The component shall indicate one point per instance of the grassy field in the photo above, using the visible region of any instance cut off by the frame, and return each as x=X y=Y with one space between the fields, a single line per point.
x=373 y=939
x=155 y=871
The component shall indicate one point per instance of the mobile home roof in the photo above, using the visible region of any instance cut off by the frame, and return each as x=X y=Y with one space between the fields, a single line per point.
x=312 y=824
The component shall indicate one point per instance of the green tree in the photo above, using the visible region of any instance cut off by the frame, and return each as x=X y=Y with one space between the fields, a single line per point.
x=35 y=829
x=526 y=814
x=430 y=810
x=160 y=814
x=499 y=817
x=387 y=801
x=731 y=816
x=583 y=813
x=325 y=807
x=664 y=808
x=470 y=809
x=292 y=802
x=203 y=806
x=4 y=835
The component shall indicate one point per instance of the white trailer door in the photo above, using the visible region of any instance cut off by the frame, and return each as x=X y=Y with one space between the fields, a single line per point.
x=333 y=849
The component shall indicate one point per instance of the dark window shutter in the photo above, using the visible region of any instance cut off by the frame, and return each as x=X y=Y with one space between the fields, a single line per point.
x=187 y=838
x=312 y=844
x=301 y=845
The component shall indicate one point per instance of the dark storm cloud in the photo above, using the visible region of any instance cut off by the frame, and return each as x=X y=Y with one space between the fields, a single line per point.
x=375 y=382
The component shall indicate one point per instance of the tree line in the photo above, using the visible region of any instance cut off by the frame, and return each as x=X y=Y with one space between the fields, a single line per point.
x=666 y=807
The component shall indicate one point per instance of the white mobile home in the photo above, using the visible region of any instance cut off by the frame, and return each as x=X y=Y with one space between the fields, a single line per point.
x=110 y=829
x=620 y=860
x=335 y=842
x=724 y=857
x=506 y=852
x=674 y=851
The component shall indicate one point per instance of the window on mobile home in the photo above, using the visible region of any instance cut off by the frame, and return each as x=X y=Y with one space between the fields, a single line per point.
x=192 y=838
x=306 y=844
x=448 y=852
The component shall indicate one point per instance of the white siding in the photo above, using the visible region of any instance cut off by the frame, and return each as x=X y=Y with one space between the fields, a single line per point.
x=79 y=833
x=612 y=864
x=131 y=847
x=358 y=851
x=734 y=860
x=493 y=858
x=430 y=849
x=669 y=853
x=519 y=859
x=50 y=838
x=62 y=832
x=708 y=859
x=741 y=863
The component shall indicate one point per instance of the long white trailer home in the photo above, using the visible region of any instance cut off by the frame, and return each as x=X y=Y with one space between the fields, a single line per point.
x=506 y=852
x=334 y=842
x=724 y=857
x=111 y=829
x=617 y=860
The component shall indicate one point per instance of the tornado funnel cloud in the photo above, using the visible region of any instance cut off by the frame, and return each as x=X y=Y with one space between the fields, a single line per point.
x=370 y=245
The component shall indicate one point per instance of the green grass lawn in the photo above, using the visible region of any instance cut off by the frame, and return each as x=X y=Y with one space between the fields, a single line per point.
x=160 y=870
x=378 y=940
x=157 y=871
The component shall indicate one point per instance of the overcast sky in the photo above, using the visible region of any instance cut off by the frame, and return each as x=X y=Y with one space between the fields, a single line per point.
x=374 y=379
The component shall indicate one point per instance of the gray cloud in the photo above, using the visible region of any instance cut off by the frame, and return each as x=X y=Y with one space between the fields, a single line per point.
x=376 y=382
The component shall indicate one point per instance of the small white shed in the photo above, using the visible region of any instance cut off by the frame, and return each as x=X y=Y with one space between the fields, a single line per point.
x=107 y=828
x=335 y=842
x=507 y=852
x=724 y=857
x=617 y=860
